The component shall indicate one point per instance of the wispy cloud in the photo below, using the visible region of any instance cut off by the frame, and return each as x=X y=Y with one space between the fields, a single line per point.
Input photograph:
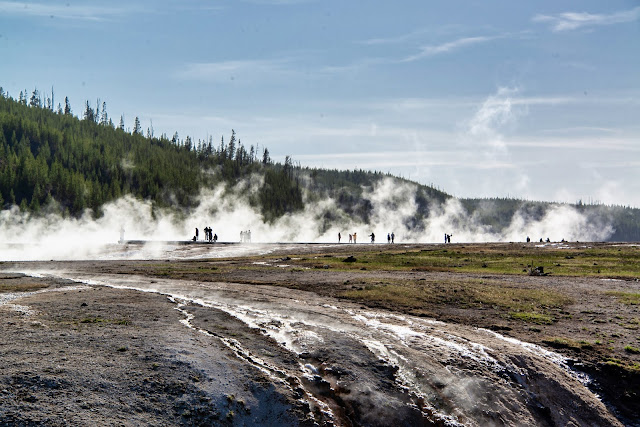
x=606 y=145
x=385 y=160
x=232 y=70
x=573 y=20
x=395 y=39
x=68 y=11
x=447 y=47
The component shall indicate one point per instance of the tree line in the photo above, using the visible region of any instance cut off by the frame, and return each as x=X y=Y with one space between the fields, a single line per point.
x=51 y=158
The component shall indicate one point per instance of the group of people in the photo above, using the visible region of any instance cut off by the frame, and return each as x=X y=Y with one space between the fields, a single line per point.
x=208 y=235
x=541 y=241
x=245 y=236
x=447 y=238
x=391 y=237
x=352 y=237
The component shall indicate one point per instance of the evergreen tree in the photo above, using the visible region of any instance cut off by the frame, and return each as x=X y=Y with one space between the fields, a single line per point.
x=121 y=124
x=231 y=149
x=89 y=114
x=137 y=128
x=104 y=118
x=67 y=106
x=35 y=100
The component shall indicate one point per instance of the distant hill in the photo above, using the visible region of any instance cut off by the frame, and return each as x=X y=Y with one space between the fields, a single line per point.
x=52 y=161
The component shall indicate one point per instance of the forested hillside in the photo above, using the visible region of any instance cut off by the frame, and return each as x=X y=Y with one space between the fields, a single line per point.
x=52 y=161
x=52 y=158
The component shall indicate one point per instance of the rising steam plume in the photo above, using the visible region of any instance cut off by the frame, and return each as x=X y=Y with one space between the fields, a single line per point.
x=228 y=212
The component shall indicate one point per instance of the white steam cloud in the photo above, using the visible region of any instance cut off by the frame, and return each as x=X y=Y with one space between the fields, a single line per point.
x=228 y=212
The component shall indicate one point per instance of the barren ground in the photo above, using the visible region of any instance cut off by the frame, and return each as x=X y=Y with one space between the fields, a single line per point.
x=85 y=354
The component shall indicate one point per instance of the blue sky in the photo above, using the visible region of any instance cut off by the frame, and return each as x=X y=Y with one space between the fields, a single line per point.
x=538 y=100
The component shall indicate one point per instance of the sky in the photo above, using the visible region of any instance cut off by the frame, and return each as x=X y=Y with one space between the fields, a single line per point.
x=534 y=100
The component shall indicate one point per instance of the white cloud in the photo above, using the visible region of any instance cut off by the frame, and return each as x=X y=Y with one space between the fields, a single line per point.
x=426 y=51
x=232 y=70
x=395 y=39
x=496 y=111
x=573 y=20
x=67 y=11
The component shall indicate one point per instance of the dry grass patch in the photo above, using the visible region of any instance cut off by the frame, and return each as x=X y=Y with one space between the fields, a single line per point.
x=21 y=287
x=628 y=298
x=518 y=302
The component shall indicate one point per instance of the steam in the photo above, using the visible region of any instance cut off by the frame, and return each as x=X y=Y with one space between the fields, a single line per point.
x=228 y=212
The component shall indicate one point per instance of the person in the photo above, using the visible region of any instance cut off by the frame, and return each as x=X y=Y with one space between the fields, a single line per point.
x=215 y=238
x=373 y=238
x=196 y=233
x=528 y=239
x=339 y=237
x=393 y=237
x=446 y=237
x=350 y=238
x=388 y=238
x=449 y=238
x=354 y=237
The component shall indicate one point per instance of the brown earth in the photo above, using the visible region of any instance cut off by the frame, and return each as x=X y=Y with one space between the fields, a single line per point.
x=92 y=354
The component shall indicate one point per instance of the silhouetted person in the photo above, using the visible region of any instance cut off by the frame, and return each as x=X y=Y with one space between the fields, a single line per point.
x=354 y=237
x=196 y=233
x=339 y=237
x=393 y=237
x=373 y=237
x=350 y=238
x=528 y=239
x=388 y=238
x=215 y=238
